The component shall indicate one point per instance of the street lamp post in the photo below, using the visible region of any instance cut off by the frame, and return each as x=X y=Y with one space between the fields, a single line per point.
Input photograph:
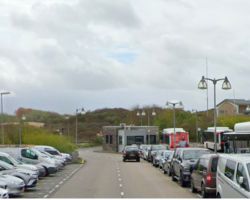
x=2 y=128
x=226 y=85
x=196 y=124
x=21 y=129
x=67 y=119
x=173 y=104
x=78 y=111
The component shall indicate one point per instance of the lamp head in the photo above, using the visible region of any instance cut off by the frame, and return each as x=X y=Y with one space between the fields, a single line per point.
x=143 y=113
x=202 y=84
x=226 y=85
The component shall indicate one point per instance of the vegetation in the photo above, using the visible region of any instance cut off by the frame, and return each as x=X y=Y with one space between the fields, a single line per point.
x=59 y=131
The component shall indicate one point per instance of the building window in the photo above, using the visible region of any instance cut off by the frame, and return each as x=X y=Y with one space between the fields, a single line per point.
x=107 y=139
x=111 y=139
x=120 y=139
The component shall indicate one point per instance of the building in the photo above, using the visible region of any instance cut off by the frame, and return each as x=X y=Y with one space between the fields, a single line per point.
x=233 y=107
x=115 y=138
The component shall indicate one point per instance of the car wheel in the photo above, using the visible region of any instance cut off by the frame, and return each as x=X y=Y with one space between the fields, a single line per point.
x=193 y=189
x=181 y=181
x=173 y=178
x=169 y=172
x=218 y=196
x=204 y=194
x=138 y=160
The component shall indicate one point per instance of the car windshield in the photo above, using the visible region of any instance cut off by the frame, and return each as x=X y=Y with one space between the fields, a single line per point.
x=131 y=148
x=193 y=154
x=14 y=161
x=168 y=154
x=158 y=147
x=248 y=168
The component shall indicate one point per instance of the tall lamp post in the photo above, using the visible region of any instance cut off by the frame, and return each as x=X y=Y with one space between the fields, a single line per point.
x=2 y=128
x=67 y=119
x=78 y=111
x=173 y=105
x=226 y=85
x=21 y=130
x=141 y=115
x=196 y=124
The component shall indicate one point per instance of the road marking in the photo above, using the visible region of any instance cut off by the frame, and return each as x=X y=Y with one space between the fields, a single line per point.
x=122 y=194
x=61 y=183
x=45 y=196
x=198 y=195
x=119 y=179
x=119 y=175
x=120 y=185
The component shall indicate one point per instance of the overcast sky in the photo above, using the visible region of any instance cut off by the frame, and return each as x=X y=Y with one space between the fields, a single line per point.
x=59 y=55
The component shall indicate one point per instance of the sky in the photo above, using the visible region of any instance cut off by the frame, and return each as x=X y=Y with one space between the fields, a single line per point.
x=60 y=55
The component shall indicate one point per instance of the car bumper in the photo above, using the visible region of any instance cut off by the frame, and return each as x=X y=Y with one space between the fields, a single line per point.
x=31 y=183
x=52 y=170
x=210 y=190
x=186 y=177
x=15 y=190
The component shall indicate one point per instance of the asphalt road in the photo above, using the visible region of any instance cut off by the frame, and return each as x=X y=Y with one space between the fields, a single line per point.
x=106 y=176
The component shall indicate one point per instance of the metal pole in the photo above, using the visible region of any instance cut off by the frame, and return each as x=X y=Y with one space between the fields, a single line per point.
x=2 y=130
x=196 y=124
x=174 y=126
x=215 y=115
x=148 y=118
x=76 y=128
x=141 y=119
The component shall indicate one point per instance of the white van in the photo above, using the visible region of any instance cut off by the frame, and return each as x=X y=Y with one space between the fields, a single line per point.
x=233 y=176
x=32 y=156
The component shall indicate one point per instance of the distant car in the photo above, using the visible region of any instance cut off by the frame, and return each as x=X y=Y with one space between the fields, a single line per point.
x=203 y=177
x=164 y=157
x=153 y=150
x=131 y=153
x=167 y=164
x=183 y=161
x=143 y=149
x=156 y=158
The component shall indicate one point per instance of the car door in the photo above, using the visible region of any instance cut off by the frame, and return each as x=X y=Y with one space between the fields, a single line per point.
x=201 y=171
x=242 y=188
x=174 y=161
x=195 y=173
x=178 y=163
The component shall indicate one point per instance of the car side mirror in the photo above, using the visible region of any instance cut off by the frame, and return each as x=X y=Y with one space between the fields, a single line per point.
x=241 y=180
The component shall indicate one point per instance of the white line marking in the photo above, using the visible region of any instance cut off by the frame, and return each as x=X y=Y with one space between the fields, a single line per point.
x=122 y=193
x=61 y=183
x=119 y=175
x=119 y=179
x=45 y=196
x=120 y=185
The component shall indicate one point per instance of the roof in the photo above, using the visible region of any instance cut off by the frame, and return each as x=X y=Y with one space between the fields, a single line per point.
x=171 y=130
x=236 y=101
x=245 y=157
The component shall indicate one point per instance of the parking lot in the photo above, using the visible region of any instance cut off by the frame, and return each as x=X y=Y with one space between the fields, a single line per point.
x=46 y=186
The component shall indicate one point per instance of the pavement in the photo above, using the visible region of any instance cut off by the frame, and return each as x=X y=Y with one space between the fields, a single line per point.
x=104 y=175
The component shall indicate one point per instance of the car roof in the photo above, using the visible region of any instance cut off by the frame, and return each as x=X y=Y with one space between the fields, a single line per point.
x=191 y=148
x=245 y=157
x=209 y=155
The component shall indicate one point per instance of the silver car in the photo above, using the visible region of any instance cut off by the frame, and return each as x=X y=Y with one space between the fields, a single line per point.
x=4 y=193
x=29 y=178
x=15 y=186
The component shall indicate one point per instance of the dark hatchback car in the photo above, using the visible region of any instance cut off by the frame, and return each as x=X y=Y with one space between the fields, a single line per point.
x=131 y=153
x=183 y=162
x=203 y=177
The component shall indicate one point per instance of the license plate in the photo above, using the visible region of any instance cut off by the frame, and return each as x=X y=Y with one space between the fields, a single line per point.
x=132 y=154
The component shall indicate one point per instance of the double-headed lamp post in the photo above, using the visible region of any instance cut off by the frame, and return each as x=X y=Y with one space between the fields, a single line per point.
x=2 y=129
x=78 y=111
x=173 y=105
x=226 y=85
x=141 y=115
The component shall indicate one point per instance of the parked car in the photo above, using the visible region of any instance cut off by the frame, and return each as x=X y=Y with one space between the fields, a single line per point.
x=153 y=149
x=32 y=156
x=233 y=179
x=29 y=178
x=203 y=177
x=183 y=161
x=167 y=164
x=164 y=157
x=156 y=158
x=12 y=161
x=131 y=153
x=4 y=193
x=15 y=186
x=143 y=149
